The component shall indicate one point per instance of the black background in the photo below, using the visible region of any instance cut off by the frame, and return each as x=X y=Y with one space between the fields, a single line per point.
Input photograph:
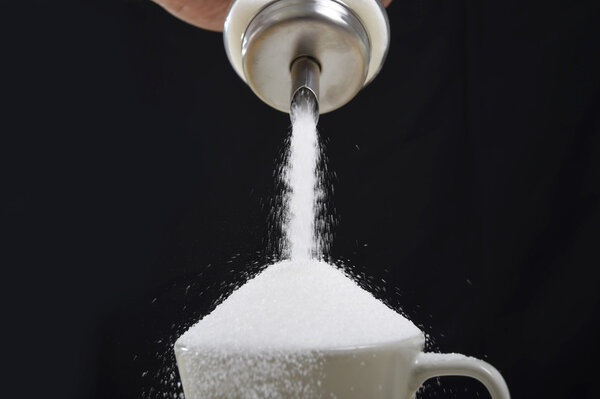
x=138 y=173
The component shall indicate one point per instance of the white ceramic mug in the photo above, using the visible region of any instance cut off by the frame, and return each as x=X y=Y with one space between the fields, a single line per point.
x=391 y=370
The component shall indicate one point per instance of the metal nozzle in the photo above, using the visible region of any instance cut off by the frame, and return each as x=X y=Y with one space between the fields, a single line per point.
x=331 y=47
x=305 y=77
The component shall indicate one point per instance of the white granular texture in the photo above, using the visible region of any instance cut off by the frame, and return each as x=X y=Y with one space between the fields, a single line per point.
x=266 y=340
x=301 y=177
x=298 y=305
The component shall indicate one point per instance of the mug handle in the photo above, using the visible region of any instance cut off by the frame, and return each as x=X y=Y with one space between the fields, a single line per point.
x=428 y=365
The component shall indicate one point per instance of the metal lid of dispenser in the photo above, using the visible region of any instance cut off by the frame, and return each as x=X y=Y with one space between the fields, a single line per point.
x=347 y=39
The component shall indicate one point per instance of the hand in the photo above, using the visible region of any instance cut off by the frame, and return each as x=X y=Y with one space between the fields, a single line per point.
x=205 y=14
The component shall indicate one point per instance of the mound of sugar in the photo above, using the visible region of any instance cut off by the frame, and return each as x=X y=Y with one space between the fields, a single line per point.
x=298 y=305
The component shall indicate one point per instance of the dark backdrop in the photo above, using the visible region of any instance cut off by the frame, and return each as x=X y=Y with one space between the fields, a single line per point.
x=138 y=172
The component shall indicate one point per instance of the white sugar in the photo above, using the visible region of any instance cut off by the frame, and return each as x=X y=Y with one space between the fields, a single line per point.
x=298 y=305
x=300 y=175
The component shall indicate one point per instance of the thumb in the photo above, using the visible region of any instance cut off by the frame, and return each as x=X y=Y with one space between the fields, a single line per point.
x=205 y=14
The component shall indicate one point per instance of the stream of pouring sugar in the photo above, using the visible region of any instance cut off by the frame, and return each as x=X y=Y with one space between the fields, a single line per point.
x=302 y=235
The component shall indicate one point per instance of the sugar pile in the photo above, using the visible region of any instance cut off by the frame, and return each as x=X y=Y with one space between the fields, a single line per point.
x=266 y=339
x=298 y=305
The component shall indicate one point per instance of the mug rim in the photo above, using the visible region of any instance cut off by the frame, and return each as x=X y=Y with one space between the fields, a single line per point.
x=417 y=341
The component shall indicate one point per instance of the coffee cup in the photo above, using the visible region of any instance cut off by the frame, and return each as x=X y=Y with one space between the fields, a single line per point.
x=383 y=370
